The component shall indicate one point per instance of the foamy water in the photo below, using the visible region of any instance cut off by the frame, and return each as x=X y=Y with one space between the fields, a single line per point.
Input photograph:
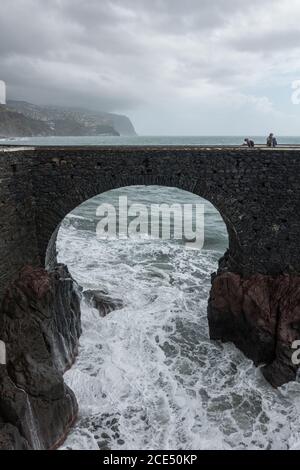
x=147 y=375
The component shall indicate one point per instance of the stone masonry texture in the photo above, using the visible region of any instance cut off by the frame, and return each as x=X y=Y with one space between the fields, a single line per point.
x=255 y=296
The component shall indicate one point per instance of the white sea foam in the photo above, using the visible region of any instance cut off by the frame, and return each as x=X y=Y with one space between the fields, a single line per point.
x=147 y=376
x=15 y=149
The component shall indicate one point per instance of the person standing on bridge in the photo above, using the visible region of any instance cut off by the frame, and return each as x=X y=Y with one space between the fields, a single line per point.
x=271 y=141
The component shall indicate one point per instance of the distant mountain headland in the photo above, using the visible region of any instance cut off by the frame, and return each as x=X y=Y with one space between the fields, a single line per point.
x=22 y=119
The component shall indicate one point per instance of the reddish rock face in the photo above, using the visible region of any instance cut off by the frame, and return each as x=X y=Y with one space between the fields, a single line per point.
x=35 y=282
x=40 y=325
x=261 y=316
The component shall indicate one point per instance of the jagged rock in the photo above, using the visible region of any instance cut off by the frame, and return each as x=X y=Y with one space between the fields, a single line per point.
x=101 y=300
x=40 y=325
x=261 y=316
x=10 y=438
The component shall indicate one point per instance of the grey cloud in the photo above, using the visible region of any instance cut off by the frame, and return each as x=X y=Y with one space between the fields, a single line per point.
x=120 y=55
x=25 y=81
x=168 y=16
x=268 y=42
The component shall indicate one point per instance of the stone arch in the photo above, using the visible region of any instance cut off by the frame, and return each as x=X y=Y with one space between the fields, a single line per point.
x=80 y=196
x=256 y=192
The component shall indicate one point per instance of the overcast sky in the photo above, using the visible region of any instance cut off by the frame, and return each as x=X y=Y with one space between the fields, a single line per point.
x=186 y=67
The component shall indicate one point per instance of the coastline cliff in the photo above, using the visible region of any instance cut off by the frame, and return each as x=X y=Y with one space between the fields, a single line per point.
x=23 y=119
x=13 y=124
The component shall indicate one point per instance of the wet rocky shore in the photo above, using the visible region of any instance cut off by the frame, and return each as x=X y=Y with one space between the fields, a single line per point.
x=40 y=325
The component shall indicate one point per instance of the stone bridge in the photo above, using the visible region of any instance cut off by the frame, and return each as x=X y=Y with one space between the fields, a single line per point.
x=257 y=192
x=255 y=297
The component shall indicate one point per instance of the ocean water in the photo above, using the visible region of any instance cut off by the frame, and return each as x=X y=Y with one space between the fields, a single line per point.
x=147 y=375
x=146 y=140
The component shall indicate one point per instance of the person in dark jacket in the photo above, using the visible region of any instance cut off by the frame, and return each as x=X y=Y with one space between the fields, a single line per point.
x=271 y=141
x=249 y=142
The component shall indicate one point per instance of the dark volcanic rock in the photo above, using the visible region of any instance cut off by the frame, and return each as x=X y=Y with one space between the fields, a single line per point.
x=261 y=316
x=10 y=438
x=101 y=300
x=40 y=325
